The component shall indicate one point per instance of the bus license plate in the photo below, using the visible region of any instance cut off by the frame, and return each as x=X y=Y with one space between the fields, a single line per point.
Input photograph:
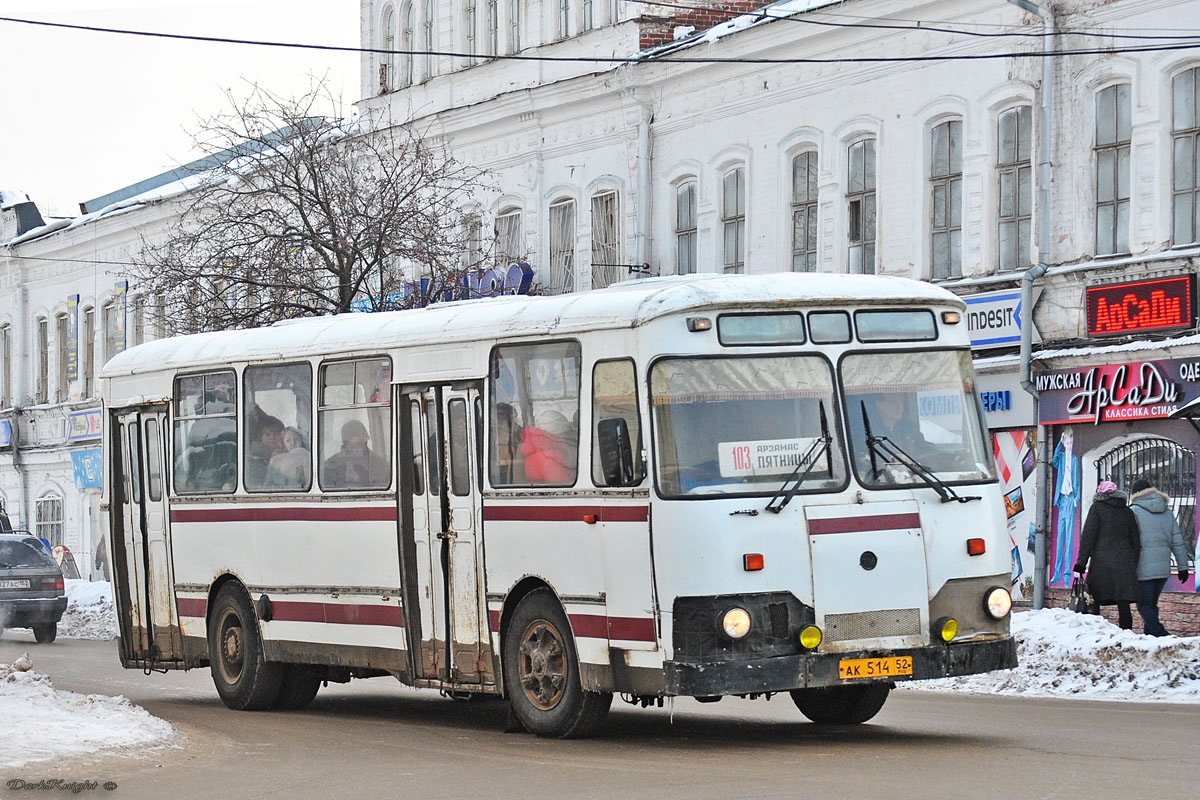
x=14 y=584
x=851 y=668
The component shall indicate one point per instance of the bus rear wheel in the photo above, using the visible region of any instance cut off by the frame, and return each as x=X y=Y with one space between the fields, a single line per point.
x=298 y=687
x=841 y=705
x=245 y=680
x=541 y=672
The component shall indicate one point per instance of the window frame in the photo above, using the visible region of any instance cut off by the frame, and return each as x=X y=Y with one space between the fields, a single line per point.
x=686 y=226
x=945 y=199
x=862 y=219
x=1014 y=168
x=804 y=209
x=733 y=220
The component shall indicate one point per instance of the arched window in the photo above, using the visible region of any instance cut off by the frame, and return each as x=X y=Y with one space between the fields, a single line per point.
x=733 y=220
x=945 y=199
x=48 y=518
x=1014 y=175
x=685 y=228
x=606 y=240
x=406 y=44
x=387 y=42
x=1114 y=132
x=860 y=207
x=804 y=211
x=562 y=246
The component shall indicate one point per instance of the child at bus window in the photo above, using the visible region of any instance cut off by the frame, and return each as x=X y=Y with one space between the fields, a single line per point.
x=550 y=449
x=355 y=466
x=292 y=468
x=267 y=442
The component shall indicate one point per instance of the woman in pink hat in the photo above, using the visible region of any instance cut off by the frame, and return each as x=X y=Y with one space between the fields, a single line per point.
x=1110 y=542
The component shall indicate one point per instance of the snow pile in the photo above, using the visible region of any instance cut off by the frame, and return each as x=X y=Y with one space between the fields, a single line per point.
x=53 y=724
x=89 y=613
x=1064 y=654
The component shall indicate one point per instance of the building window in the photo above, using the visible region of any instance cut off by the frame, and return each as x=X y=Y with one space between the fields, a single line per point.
x=510 y=236
x=429 y=21
x=614 y=12
x=114 y=331
x=860 y=207
x=1015 y=176
x=62 y=343
x=471 y=26
x=804 y=212
x=514 y=26
x=945 y=199
x=88 y=370
x=387 y=65
x=606 y=240
x=1113 y=134
x=5 y=366
x=1185 y=134
x=48 y=519
x=589 y=21
x=733 y=220
x=562 y=247
x=493 y=27
x=472 y=241
x=406 y=44
x=41 y=379
x=138 y=325
x=564 y=18
x=685 y=228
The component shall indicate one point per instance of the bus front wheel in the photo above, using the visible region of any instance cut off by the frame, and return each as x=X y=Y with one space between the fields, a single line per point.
x=841 y=705
x=245 y=680
x=541 y=672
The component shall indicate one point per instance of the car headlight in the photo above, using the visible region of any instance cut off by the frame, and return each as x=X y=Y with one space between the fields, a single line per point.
x=998 y=602
x=735 y=622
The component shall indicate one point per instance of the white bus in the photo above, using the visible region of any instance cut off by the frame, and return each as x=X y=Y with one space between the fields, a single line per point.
x=696 y=486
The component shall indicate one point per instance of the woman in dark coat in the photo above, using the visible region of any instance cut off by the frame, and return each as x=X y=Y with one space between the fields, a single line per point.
x=1110 y=541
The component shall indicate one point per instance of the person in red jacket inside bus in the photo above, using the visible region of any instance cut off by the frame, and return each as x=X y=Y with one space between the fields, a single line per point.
x=550 y=449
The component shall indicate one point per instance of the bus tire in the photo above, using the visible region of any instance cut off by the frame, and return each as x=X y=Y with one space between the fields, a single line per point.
x=841 y=705
x=299 y=686
x=245 y=680
x=541 y=672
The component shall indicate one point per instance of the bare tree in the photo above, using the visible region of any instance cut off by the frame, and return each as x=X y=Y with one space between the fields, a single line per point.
x=293 y=214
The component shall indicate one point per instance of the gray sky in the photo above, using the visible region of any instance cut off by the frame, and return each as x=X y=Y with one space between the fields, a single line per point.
x=84 y=113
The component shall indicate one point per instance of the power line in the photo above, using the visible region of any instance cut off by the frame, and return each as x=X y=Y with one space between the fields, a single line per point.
x=634 y=59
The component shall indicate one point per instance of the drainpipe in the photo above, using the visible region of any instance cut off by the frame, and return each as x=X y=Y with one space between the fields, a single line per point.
x=1041 y=512
x=642 y=236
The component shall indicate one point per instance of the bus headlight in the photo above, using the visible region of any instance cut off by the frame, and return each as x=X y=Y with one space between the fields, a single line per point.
x=997 y=602
x=735 y=622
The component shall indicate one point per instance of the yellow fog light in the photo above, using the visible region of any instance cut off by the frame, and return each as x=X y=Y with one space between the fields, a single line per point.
x=810 y=637
x=998 y=602
x=735 y=623
x=945 y=629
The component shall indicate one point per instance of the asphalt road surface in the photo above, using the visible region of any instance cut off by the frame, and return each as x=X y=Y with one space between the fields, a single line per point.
x=378 y=739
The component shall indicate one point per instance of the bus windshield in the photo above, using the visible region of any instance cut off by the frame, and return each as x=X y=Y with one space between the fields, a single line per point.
x=921 y=404
x=743 y=425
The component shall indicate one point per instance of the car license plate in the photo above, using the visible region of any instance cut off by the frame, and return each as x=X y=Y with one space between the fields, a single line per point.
x=14 y=584
x=892 y=667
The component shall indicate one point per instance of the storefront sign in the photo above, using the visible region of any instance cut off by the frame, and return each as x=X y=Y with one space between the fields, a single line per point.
x=83 y=425
x=1117 y=392
x=1153 y=305
x=995 y=319
x=1005 y=403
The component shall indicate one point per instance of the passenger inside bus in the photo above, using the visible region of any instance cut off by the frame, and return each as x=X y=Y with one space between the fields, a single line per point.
x=508 y=465
x=292 y=468
x=550 y=449
x=355 y=466
x=264 y=446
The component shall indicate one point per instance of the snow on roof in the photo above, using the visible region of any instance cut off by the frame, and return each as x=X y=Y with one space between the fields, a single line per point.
x=768 y=13
x=12 y=197
x=625 y=305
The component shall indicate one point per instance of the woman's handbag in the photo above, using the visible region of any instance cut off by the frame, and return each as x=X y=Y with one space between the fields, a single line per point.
x=1081 y=598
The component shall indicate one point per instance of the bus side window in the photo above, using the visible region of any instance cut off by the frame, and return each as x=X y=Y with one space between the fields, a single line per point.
x=534 y=415
x=278 y=424
x=616 y=427
x=355 y=424
x=206 y=444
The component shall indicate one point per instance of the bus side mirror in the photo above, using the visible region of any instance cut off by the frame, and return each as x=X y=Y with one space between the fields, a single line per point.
x=616 y=452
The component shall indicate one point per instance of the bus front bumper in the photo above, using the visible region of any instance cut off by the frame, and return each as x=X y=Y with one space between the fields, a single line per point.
x=807 y=670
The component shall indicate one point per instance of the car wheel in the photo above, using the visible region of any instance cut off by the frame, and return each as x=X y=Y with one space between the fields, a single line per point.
x=841 y=705
x=46 y=632
x=541 y=672
x=299 y=686
x=245 y=680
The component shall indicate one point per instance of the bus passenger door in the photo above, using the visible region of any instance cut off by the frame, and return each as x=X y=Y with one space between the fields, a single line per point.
x=443 y=440
x=141 y=557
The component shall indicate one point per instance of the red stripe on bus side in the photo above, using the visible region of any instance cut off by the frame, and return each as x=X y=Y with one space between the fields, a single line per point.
x=883 y=522
x=597 y=626
x=287 y=514
x=302 y=611
x=506 y=513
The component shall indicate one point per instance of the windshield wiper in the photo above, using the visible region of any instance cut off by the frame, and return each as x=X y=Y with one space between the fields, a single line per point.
x=893 y=452
x=819 y=448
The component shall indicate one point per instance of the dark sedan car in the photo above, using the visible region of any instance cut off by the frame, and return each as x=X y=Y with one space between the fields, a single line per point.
x=31 y=586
